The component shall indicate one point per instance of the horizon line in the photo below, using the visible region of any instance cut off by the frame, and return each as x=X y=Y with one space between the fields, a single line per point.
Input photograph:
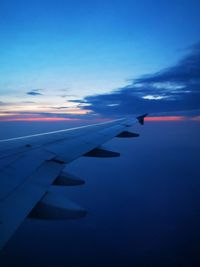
x=55 y=119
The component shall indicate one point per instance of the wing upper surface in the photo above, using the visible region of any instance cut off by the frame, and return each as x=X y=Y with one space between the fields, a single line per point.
x=29 y=166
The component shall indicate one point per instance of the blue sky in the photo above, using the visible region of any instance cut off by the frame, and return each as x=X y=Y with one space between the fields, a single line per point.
x=66 y=50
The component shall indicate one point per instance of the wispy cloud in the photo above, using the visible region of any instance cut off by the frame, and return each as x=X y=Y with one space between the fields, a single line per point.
x=31 y=119
x=2 y=104
x=61 y=107
x=34 y=116
x=67 y=95
x=27 y=102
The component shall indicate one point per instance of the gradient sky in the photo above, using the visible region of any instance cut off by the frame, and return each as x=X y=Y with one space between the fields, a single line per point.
x=56 y=51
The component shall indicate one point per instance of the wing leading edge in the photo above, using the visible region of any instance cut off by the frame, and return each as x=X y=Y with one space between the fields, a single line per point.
x=31 y=165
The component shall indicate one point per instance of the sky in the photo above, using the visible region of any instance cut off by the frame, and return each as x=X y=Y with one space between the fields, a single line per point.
x=62 y=60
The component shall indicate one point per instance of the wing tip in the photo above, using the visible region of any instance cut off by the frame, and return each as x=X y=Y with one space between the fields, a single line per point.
x=141 y=118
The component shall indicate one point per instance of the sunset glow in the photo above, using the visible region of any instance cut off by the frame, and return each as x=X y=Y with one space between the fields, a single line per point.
x=167 y=118
x=53 y=119
x=49 y=119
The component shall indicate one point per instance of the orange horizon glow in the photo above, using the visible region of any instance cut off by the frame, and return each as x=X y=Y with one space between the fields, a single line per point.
x=166 y=118
x=53 y=119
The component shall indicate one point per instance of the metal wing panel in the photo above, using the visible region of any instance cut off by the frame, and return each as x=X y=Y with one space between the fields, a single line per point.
x=69 y=150
x=16 y=207
x=31 y=164
x=15 y=173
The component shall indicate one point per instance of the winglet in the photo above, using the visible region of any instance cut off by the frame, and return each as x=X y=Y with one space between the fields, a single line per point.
x=141 y=118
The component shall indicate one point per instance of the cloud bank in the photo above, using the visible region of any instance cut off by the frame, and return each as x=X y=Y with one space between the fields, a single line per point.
x=170 y=90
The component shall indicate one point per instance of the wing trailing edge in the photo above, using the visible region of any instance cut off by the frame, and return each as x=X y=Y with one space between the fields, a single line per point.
x=68 y=179
x=56 y=206
x=127 y=134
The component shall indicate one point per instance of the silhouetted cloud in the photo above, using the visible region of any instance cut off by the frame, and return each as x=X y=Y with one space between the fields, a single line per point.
x=79 y=101
x=173 y=89
x=185 y=72
x=34 y=92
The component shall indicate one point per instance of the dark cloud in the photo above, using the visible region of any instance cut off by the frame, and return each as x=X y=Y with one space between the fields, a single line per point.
x=79 y=101
x=173 y=89
x=34 y=92
x=185 y=72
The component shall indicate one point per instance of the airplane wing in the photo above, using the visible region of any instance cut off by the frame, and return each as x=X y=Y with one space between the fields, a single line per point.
x=31 y=165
